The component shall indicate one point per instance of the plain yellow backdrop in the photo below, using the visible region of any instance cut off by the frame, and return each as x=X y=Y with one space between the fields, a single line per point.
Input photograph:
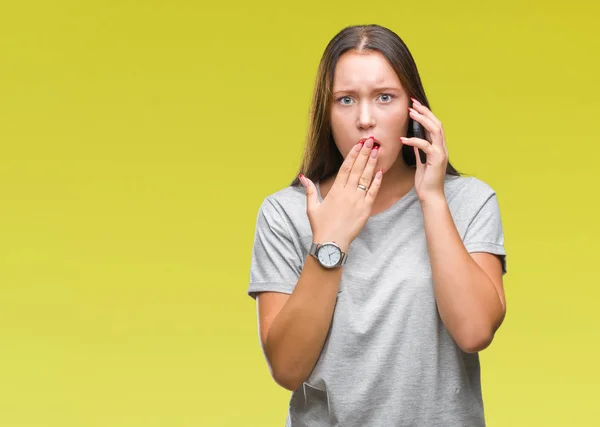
x=138 y=139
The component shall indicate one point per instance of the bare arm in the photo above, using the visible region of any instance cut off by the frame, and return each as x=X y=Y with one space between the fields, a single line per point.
x=468 y=288
x=293 y=328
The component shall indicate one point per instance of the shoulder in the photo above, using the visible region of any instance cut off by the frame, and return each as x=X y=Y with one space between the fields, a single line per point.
x=288 y=199
x=467 y=187
x=286 y=207
x=467 y=195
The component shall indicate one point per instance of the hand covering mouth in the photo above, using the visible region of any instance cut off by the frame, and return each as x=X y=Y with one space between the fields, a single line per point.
x=376 y=143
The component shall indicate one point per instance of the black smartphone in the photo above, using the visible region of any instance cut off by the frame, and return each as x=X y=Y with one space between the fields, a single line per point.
x=416 y=129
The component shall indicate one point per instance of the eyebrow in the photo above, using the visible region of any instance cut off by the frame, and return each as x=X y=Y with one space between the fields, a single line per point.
x=377 y=89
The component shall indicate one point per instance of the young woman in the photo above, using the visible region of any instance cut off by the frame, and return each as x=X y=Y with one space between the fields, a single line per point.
x=378 y=272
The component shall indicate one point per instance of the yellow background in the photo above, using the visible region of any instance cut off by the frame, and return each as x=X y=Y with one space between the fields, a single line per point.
x=138 y=139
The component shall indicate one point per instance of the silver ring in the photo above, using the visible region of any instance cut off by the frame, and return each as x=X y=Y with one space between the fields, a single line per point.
x=362 y=187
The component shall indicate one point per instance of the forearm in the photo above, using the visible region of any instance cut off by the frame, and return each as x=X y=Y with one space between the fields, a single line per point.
x=467 y=300
x=296 y=337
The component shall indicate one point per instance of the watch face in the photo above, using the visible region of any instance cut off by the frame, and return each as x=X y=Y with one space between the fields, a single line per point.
x=329 y=255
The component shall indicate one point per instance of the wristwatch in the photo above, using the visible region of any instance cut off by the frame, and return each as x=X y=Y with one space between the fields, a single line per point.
x=328 y=254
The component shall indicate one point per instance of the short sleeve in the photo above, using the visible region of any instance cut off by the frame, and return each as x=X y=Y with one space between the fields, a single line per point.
x=276 y=264
x=485 y=233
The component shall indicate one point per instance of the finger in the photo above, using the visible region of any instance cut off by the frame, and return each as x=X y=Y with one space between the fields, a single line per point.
x=437 y=136
x=368 y=173
x=419 y=143
x=312 y=199
x=342 y=176
x=424 y=110
x=374 y=188
x=359 y=165
x=428 y=123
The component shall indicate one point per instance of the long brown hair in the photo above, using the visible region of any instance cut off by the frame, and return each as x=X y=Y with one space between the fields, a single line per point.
x=321 y=156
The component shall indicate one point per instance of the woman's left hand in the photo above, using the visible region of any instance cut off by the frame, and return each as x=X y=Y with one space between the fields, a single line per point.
x=429 y=177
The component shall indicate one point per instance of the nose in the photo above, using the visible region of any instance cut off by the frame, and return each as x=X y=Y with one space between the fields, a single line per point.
x=366 y=119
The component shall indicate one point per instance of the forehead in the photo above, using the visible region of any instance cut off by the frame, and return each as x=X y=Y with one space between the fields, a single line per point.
x=362 y=70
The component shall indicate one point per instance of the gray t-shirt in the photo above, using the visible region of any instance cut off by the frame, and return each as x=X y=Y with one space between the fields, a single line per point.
x=388 y=359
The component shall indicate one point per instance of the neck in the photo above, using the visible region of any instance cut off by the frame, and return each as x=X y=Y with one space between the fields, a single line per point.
x=397 y=181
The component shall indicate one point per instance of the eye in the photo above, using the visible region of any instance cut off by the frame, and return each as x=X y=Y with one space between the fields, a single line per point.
x=344 y=98
x=386 y=97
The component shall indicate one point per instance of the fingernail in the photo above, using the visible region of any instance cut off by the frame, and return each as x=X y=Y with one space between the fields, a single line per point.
x=369 y=143
x=415 y=101
x=402 y=139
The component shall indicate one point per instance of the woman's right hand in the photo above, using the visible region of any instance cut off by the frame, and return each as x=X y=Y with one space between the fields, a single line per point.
x=344 y=212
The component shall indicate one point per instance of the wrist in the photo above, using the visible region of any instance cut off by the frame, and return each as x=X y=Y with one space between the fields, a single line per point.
x=341 y=242
x=433 y=200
